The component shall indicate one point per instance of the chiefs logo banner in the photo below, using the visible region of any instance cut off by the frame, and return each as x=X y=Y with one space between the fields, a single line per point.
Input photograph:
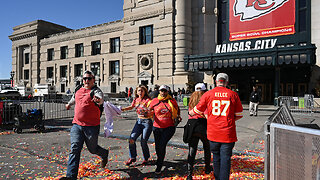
x=250 y=19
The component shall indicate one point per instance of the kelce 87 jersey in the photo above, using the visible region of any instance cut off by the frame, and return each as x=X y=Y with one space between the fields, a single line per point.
x=223 y=106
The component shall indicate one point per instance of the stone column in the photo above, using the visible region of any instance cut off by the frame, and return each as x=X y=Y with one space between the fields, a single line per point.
x=209 y=25
x=183 y=34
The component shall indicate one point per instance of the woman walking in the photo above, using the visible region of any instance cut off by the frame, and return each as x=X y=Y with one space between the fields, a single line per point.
x=166 y=113
x=143 y=125
x=195 y=130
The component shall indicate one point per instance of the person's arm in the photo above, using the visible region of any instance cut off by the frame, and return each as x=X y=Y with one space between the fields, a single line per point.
x=129 y=107
x=239 y=108
x=71 y=102
x=98 y=96
x=259 y=97
x=200 y=107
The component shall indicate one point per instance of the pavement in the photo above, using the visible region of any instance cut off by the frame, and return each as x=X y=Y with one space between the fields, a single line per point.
x=34 y=155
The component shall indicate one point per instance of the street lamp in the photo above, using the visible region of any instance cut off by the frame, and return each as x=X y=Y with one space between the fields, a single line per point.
x=11 y=77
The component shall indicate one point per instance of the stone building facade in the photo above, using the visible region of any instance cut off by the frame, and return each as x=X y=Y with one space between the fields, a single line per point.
x=172 y=42
x=146 y=47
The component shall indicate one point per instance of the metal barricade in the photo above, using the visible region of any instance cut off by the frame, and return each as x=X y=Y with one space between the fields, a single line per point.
x=10 y=110
x=294 y=153
x=56 y=109
x=290 y=151
x=52 y=109
x=302 y=105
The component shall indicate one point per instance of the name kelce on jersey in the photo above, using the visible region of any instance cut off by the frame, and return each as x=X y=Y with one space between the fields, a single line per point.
x=220 y=94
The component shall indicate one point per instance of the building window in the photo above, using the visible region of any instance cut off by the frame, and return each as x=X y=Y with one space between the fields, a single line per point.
x=49 y=72
x=79 y=50
x=146 y=34
x=26 y=74
x=50 y=54
x=78 y=68
x=63 y=88
x=96 y=47
x=26 y=58
x=222 y=21
x=115 y=45
x=95 y=68
x=63 y=71
x=64 y=52
x=113 y=87
x=114 y=68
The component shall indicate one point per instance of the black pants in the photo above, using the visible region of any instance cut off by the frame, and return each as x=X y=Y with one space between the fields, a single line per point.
x=161 y=139
x=193 y=146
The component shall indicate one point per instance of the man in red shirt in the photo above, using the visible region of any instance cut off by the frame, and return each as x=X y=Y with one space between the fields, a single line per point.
x=224 y=108
x=86 y=124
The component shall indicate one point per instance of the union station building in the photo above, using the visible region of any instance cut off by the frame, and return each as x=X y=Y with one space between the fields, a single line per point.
x=264 y=43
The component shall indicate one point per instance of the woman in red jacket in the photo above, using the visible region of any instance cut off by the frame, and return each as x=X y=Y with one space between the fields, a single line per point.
x=166 y=111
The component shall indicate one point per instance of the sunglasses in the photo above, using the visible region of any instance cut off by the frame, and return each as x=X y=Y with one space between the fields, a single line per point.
x=163 y=90
x=87 y=78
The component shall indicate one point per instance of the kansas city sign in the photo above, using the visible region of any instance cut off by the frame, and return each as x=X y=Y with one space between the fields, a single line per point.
x=246 y=46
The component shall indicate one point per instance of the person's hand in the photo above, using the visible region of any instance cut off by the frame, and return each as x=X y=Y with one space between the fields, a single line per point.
x=68 y=106
x=191 y=113
x=179 y=118
x=149 y=113
x=97 y=100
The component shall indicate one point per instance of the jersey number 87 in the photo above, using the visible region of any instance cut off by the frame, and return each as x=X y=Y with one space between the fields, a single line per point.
x=216 y=107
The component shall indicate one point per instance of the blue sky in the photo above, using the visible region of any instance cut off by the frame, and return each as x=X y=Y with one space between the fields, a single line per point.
x=73 y=14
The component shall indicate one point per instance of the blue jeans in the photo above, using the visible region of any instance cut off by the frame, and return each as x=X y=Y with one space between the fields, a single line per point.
x=144 y=127
x=161 y=139
x=79 y=135
x=222 y=153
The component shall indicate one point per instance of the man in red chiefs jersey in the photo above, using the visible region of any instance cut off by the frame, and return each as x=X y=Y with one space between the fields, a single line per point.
x=224 y=108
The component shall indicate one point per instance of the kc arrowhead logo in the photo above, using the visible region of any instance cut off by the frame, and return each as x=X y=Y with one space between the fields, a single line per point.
x=252 y=9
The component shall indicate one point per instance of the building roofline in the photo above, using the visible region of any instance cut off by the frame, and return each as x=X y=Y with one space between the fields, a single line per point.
x=37 y=22
x=86 y=28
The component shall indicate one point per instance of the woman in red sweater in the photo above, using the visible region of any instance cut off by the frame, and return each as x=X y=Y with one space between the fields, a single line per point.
x=165 y=110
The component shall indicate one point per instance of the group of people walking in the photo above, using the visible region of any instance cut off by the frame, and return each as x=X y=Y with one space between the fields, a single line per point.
x=212 y=116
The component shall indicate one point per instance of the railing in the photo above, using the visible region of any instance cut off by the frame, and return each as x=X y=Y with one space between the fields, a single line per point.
x=51 y=109
x=298 y=104
x=291 y=152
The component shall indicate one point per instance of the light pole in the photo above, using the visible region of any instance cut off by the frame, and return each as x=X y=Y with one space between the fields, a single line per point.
x=11 y=78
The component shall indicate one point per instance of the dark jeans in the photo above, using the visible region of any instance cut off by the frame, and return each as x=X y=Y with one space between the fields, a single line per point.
x=161 y=139
x=144 y=127
x=79 y=135
x=193 y=146
x=222 y=153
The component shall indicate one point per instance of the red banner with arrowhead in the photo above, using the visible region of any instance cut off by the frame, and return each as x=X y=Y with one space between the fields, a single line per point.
x=249 y=19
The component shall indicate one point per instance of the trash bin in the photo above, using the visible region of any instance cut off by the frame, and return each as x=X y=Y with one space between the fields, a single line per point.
x=301 y=103
x=186 y=101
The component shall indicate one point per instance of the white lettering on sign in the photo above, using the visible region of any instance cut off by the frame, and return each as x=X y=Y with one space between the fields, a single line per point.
x=246 y=46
